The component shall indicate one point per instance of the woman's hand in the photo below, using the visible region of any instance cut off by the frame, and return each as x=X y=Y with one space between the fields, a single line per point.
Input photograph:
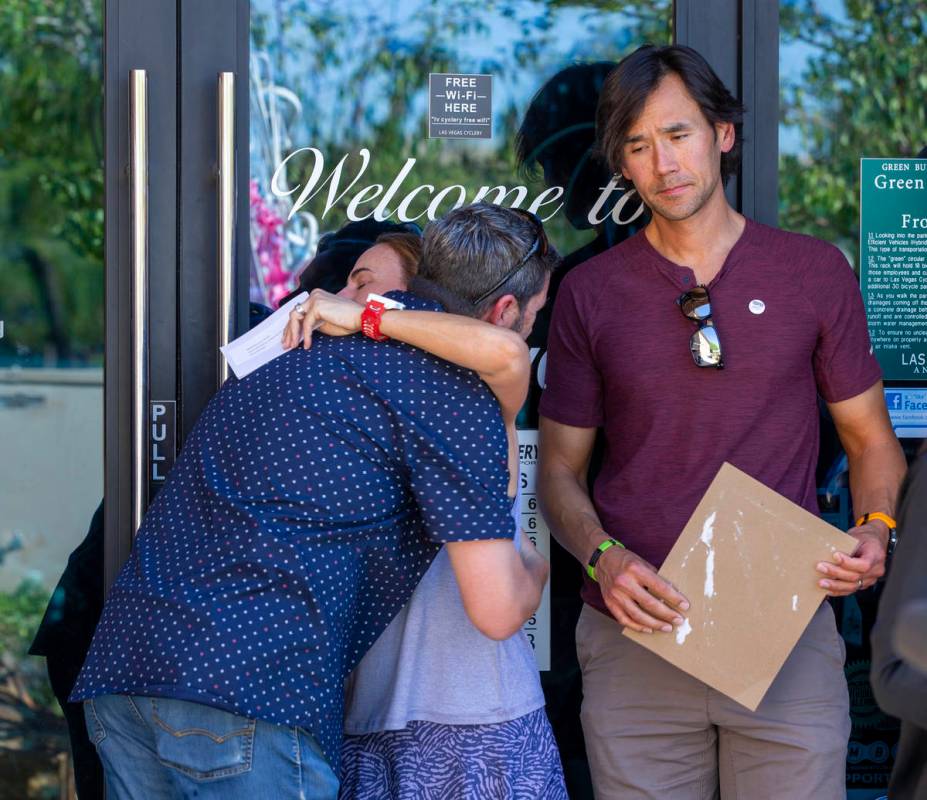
x=333 y=315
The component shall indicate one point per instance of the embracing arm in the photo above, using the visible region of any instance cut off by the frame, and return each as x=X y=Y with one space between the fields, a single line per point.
x=499 y=356
x=500 y=587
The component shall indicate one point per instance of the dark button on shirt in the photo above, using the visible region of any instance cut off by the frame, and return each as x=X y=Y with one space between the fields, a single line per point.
x=306 y=504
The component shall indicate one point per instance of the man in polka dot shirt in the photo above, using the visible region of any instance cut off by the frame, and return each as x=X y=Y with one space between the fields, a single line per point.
x=307 y=503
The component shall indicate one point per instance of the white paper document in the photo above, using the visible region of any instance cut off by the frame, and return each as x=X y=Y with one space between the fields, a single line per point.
x=262 y=343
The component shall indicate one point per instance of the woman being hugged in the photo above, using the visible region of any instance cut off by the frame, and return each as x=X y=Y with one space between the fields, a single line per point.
x=448 y=702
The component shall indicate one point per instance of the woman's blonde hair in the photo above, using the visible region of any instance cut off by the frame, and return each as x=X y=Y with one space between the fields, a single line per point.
x=408 y=246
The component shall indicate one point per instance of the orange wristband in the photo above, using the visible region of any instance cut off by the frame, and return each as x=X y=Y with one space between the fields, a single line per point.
x=879 y=516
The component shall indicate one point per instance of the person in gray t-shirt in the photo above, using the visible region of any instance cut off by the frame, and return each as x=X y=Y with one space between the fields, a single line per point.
x=436 y=702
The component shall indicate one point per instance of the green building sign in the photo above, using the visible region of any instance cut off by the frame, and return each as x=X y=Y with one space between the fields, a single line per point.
x=893 y=262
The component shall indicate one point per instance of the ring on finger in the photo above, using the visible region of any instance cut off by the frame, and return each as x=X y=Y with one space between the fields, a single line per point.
x=299 y=309
x=859 y=584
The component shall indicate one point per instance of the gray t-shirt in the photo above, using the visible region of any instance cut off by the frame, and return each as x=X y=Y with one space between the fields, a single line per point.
x=431 y=664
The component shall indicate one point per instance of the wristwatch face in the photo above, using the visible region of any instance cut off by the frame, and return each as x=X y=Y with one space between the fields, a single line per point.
x=386 y=303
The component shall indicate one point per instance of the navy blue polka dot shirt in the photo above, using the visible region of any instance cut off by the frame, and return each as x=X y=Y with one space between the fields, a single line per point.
x=307 y=503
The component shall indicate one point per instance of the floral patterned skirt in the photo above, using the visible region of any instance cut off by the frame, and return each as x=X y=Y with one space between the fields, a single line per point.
x=515 y=760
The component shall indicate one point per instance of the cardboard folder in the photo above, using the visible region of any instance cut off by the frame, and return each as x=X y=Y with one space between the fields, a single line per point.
x=746 y=561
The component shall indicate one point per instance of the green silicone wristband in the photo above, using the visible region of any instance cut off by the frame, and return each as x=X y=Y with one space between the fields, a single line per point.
x=597 y=554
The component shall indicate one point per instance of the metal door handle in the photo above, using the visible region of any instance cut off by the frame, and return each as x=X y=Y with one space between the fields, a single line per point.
x=226 y=212
x=138 y=187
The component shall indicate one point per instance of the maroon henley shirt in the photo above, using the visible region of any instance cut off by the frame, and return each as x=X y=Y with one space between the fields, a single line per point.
x=791 y=321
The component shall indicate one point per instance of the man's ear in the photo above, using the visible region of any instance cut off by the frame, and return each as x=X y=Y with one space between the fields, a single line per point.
x=724 y=132
x=504 y=312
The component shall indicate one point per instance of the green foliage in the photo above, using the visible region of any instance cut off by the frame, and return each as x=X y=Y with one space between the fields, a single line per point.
x=21 y=612
x=51 y=179
x=861 y=94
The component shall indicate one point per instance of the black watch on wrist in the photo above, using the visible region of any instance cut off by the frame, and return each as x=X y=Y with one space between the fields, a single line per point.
x=892 y=543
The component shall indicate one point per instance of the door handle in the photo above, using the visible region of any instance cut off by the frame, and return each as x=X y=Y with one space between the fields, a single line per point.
x=138 y=188
x=226 y=213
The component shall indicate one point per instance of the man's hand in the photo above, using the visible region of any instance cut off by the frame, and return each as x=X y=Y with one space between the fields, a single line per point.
x=333 y=315
x=861 y=568
x=877 y=467
x=636 y=595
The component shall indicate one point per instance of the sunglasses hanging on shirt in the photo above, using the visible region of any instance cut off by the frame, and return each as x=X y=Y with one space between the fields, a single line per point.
x=704 y=344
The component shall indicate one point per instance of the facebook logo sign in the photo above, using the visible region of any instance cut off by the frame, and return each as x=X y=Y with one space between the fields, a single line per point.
x=908 y=411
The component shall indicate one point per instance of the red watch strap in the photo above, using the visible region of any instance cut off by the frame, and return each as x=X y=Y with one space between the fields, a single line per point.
x=370 y=320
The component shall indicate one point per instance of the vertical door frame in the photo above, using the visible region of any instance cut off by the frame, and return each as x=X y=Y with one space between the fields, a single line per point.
x=138 y=34
x=182 y=44
x=740 y=39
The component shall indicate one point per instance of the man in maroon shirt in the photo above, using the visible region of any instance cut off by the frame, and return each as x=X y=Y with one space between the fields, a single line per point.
x=638 y=340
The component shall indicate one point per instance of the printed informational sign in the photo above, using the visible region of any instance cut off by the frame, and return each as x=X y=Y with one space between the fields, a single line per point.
x=908 y=411
x=538 y=627
x=459 y=106
x=893 y=262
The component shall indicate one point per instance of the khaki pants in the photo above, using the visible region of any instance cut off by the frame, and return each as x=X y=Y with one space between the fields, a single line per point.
x=654 y=732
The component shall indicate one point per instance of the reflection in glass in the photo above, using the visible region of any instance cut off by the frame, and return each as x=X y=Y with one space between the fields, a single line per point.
x=349 y=87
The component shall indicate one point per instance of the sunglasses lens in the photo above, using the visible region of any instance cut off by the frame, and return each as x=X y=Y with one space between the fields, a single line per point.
x=706 y=347
x=695 y=304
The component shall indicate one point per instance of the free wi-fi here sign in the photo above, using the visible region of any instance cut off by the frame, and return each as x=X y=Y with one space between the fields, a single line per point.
x=459 y=106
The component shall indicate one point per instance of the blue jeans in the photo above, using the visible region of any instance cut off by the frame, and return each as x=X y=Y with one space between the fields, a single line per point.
x=155 y=748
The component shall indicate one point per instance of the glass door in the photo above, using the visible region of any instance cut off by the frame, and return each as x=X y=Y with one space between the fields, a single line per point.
x=343 y=94
x=51 y=367
x=367 y=105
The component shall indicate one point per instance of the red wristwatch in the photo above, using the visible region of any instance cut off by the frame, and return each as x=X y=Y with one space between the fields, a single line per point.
x=370 y=320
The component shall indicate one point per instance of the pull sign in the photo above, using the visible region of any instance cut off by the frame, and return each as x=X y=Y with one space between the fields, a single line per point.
x=163 y=438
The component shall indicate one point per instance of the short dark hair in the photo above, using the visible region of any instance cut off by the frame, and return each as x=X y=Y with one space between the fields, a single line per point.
x=637 y=76
x=471 y=248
